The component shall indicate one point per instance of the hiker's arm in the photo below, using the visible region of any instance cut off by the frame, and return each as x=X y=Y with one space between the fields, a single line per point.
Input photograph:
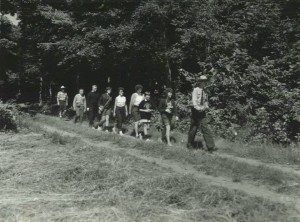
x=84 y=104
x=57 y=96
x=74 y=102
x=132 y=100
x=114 y=113
x=126 y=110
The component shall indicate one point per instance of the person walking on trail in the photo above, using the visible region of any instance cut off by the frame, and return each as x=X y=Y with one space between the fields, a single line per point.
x=198 y=117
x=62 y=101
x=92 y=105
x=105 y=108
x=120 y=110
x=135 y=101
x=146 y=109
x=79 y=105
x=167 y=109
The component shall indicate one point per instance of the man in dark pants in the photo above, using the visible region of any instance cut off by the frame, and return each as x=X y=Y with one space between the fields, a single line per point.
x=105 y=108
x=199 y=108
x=92 y=105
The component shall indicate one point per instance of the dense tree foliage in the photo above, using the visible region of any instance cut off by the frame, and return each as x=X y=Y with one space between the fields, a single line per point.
x=249 y=49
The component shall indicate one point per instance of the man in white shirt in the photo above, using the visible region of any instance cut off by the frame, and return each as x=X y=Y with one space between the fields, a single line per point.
x=62 y=101
x=79 y=105
x=198 y=119
x=135 y=101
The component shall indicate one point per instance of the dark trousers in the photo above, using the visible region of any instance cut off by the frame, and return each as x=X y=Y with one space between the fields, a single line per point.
x=79 y=114
x=199 y=120
x=93 y=113
x=120 y=116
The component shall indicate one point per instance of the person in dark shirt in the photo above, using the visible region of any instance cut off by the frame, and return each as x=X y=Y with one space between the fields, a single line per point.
x=146 y=109
x=105 y=108
x=92 y=105
x=167 y=109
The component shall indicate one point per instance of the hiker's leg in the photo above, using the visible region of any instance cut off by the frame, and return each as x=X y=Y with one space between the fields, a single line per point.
x=207 y=134
x=81 y=113
x=136 y=128
x=91 y=116
x=103 y=120
x=76 y=115
x=163 y=133
x=195 y=121
x=145 y=129
x=168 y=130
x=163 y=123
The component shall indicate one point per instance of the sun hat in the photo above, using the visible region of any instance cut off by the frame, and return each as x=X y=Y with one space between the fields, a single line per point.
x=203 y=78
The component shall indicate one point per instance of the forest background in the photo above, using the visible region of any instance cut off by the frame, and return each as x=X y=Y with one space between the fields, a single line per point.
x=250 y=50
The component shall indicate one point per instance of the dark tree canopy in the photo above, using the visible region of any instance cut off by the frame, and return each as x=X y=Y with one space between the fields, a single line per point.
x=249 y=49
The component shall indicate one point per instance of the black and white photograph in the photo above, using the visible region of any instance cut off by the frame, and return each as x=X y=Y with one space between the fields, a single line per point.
x=150 y=110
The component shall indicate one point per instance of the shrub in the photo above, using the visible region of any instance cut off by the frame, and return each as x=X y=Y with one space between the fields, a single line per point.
x=7 y=120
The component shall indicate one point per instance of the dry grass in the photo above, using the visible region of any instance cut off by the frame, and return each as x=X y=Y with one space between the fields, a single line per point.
x=209 y=164
x=42 y=179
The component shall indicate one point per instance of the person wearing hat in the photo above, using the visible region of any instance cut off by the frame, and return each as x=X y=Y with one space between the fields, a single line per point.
x=146 y=109
x=105 y=106
x=79 y=105
x=167 y=109
x=62 y=101
x=135 y=101
x=198 y=117
x=120 y=110
x=92 y=105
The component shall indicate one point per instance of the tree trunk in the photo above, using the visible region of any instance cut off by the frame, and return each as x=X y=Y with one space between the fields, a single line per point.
x=77 y=81
x=168 y=72
x=50 y=92
x=41 y=91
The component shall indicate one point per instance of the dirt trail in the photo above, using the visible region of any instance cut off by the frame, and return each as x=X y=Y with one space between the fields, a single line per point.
x=253 y=162
x=256 y=191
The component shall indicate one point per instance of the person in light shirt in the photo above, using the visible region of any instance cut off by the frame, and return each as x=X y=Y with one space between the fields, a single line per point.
x=146 y=109
x=62 y=101
x=105 y=107
x=120 y=110
x=135 y=101
x=79 y=105
x=198 y=118
x=167 y=109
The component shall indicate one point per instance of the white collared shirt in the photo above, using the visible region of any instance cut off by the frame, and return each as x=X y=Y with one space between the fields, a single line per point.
x=120 y=101
x=196 y=99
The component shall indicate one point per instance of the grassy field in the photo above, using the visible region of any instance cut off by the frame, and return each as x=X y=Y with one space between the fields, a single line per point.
x=49 y=176
x=215 y=165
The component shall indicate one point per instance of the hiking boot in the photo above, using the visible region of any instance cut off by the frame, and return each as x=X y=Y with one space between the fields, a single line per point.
x=212 y=150
x=190 y=146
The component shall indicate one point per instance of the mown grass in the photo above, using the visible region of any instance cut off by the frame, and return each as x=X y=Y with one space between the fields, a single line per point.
x=266 y=152
x=51 y=181
x=209 y=164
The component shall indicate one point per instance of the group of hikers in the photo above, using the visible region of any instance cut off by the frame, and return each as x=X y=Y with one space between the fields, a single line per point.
x=140 y=108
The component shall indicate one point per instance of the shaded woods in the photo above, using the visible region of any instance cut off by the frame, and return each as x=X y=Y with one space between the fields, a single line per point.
x=250 y=50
